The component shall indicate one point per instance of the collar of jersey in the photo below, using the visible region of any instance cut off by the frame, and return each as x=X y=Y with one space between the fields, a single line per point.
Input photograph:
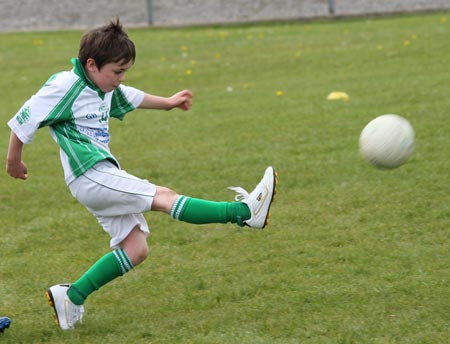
x=79 y=70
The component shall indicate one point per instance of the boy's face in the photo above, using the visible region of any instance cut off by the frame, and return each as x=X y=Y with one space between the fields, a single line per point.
x=110 y=76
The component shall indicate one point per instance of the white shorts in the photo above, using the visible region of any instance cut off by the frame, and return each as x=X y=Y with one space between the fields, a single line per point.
x=116 y=198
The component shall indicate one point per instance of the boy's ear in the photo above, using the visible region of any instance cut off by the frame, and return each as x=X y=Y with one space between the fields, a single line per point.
x=91 y=66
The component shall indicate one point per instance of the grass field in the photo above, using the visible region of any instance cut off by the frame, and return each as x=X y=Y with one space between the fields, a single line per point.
x=353 y=254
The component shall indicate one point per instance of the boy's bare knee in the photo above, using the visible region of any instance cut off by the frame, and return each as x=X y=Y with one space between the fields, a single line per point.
x=142 y=255
x=164 y=199
x=137 y=254
x=135 y=245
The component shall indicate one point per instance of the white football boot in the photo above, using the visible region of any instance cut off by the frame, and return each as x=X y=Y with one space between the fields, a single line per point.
x=260 y=199
x=67 y=314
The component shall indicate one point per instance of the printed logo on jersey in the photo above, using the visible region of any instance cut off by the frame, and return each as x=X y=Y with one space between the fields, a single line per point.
x=91 y=115
x=24 y=115
x=98 y=134
x=104 y=112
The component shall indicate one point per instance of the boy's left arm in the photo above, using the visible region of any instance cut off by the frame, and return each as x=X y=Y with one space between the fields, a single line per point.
x=181 y=100
x=15 y=167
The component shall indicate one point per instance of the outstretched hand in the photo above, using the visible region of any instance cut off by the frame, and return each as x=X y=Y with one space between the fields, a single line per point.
x=181 y=100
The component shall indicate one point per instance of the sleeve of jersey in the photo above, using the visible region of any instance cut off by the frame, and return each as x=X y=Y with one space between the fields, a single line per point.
x=124 y=100
x=37 y=112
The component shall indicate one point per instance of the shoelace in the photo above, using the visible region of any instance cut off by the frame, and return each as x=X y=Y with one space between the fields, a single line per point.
x=242 y=194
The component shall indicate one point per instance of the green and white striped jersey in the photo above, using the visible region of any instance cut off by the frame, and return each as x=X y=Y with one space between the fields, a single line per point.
x=77 y=113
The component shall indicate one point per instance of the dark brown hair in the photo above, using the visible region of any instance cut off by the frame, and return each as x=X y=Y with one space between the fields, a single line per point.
x=106 y=44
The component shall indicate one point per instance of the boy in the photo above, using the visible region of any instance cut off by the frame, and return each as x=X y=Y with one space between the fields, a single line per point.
x=76 y=105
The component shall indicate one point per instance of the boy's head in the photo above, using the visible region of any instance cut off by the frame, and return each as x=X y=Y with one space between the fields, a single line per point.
x=106 y=44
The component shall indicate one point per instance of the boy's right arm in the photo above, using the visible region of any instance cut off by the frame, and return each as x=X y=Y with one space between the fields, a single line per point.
x=182 y=100
x=15 y=167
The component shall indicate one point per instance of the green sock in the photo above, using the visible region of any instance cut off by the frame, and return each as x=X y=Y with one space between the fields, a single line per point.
x=112 y=265
x=199 y=211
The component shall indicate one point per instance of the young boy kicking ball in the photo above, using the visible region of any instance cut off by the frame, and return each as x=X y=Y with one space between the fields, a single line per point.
x=76 y=105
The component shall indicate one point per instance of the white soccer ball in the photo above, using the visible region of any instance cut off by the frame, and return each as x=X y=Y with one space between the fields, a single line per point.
x=387 y=141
